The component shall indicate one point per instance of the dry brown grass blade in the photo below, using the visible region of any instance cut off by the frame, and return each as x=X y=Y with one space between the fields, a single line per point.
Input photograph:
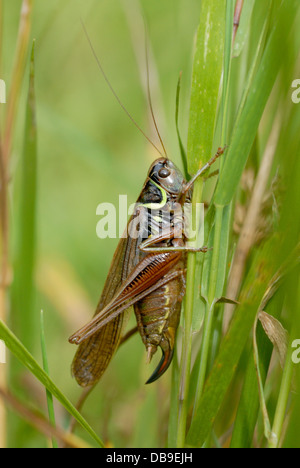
x=236 y=18
x=40 y=423
x=276 y=334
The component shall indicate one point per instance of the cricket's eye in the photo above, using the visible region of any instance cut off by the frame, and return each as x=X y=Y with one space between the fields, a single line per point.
x=164 y=172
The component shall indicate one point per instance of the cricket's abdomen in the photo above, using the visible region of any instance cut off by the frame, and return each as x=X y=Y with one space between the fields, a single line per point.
x=158 y=317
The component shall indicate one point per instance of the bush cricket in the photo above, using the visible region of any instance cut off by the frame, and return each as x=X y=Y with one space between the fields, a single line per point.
x=147 y=271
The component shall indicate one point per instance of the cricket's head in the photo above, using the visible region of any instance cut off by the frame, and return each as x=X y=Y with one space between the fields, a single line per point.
x=164 y=173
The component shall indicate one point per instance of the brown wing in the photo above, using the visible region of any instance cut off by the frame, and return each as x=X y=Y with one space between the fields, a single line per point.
x=148 y=275
x=94 y=354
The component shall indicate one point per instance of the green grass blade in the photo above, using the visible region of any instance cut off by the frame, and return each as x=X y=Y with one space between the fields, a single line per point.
x=24 y=356
x=173 y=417
x=282 y=402
x=181 y=147
x=232 y=345
x=216 y=261
x=46 y=369
x=248 y=407
x=226 y=76
x=207 y=70
x=206 y=78
x=291 y=439
x=222 y=260
x=23 y=286
x=246 y=126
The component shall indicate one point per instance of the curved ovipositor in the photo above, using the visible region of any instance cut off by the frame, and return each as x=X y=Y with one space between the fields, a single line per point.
x=166 y=359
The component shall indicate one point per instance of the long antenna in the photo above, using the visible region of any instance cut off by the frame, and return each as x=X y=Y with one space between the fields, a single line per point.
x=114 y=92
x=149 y=94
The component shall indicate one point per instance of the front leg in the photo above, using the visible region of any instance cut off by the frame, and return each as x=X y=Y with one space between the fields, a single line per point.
x=178 y=245
x=175 y=248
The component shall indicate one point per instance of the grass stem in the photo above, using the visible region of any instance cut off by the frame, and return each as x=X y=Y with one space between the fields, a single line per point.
x=208 y=320
x=185 y=363
x=46 y=369
x=283 y=396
